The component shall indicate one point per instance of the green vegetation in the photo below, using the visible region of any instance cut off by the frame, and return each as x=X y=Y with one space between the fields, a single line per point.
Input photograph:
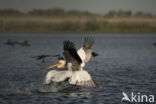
x=60 y=21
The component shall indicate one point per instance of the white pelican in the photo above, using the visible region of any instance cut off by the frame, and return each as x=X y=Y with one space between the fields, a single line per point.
x=71 y=69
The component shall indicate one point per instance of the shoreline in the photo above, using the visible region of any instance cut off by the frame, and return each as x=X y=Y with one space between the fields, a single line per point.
x=30 y=33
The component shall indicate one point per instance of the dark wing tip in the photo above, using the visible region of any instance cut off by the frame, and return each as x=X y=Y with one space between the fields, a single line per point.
x=70 y=47
x=39 y=57
x=88 y=43
x=89 y=39
x=94 y=54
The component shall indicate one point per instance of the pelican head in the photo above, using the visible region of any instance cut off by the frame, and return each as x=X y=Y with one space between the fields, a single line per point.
x=60 y=64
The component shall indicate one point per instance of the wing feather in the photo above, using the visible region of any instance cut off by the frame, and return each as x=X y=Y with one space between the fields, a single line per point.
x=57 y=76
x=88 y=43
x=82 y=78
x=70 y=53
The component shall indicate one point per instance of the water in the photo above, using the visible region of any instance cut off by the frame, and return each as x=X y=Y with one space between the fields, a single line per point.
x=125 y=63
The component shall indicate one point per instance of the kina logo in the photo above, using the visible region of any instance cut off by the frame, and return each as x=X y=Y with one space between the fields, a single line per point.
x=137 y=97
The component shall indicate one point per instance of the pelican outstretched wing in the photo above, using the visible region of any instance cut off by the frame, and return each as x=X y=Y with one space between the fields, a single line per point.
x=39 y=57
x=86 y=51
x=57 y=76
x=82 y=78
x=71 y=54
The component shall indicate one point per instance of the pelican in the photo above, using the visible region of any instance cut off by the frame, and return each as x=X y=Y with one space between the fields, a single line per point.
x=71 y=68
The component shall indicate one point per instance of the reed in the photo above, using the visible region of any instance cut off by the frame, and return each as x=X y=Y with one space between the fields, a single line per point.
x=97 y=24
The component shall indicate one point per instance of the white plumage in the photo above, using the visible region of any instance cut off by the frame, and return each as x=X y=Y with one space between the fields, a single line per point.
x=81 y=78
x=75 y=77
x=85 y=56
x=57 y=76
x=82 y=55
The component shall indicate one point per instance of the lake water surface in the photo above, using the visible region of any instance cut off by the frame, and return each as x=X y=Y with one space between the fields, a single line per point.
x=126 y=63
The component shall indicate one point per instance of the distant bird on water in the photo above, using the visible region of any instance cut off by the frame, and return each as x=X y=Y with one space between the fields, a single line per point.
x=25 y=43
x=11 y=43
x=71 y=68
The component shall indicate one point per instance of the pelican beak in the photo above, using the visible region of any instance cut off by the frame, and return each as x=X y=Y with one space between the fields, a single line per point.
x=52 y=66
